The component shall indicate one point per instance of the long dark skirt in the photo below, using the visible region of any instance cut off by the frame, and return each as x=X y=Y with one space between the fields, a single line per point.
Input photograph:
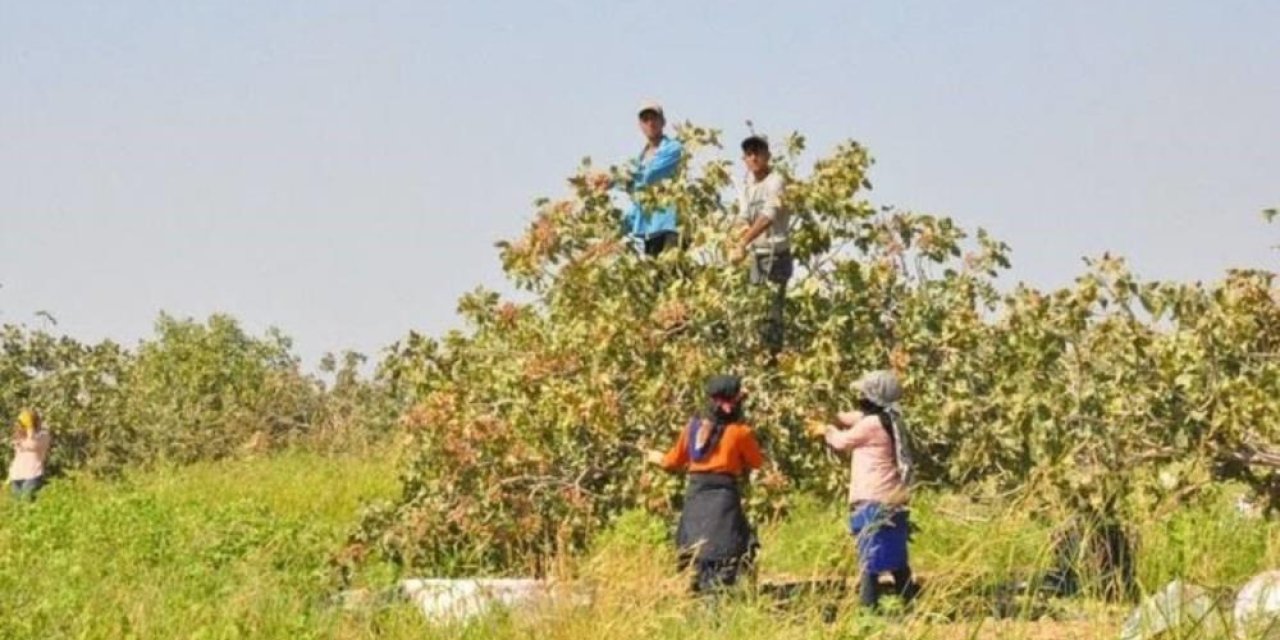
x=714 y=536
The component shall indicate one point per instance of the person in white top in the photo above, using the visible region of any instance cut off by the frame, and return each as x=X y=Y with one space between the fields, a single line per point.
x=30 y=450
x=767 y=237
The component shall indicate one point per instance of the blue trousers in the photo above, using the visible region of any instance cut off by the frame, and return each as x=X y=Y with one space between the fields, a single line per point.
x=881 y=533
x=26 y=489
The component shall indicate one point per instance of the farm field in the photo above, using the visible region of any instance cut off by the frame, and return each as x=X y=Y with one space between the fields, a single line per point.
x=243 y=548
x=482 y=320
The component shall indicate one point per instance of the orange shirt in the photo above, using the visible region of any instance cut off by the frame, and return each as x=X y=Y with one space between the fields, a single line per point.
x=736 y=452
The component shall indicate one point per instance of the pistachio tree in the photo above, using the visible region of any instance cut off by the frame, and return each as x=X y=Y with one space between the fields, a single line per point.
x=526 y=426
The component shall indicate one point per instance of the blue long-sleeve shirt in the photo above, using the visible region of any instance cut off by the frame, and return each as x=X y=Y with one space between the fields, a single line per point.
x=661 y=165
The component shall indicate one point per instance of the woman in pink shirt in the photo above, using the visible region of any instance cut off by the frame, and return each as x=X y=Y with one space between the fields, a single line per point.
x=30 y=450
x=880 y=470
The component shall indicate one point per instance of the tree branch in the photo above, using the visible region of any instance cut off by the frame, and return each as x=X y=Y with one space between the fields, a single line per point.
x=1256 y=456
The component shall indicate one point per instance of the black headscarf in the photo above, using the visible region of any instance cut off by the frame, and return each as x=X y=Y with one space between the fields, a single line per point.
x=721 y=387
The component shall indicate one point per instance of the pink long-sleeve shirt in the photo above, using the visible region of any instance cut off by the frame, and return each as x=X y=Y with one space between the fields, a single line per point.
x=873 y=470
x=29 y=454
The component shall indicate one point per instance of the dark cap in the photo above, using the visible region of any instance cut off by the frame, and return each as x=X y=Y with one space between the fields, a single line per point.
x=724 y=386
x=755 y=143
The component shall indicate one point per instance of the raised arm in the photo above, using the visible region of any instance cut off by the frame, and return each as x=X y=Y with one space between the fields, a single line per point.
x=661 y=166
x=26 y=443
x=677 y=457
x=849 y=418
x=42 y=444
x=749 y=449
x=852 y=438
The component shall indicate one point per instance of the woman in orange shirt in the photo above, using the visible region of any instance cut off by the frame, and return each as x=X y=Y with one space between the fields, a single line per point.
x=717 y=450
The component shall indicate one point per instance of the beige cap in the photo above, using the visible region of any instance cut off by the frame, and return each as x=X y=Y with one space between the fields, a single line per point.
x=650 y=105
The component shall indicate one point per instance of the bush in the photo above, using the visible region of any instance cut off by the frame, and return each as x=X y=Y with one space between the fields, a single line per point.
x=195 y=391
x=202 y=391
x=79 y=390
x=1109 y=395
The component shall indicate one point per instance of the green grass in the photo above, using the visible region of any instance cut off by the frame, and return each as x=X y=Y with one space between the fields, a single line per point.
x=242 y=549
x=236 y=549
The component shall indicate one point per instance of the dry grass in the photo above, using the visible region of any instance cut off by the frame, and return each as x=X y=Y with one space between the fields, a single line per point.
x=241 y=549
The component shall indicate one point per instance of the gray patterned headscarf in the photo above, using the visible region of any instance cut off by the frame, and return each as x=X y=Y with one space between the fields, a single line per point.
x=883 y=389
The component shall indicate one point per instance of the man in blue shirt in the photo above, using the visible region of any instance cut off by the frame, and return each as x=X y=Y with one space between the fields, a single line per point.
x=659 y=161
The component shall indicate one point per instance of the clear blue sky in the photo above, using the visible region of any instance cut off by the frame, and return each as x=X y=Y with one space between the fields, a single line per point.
x=341 y=170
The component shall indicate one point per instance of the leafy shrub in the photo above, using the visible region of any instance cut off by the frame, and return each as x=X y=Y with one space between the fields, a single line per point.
x=200 y=391
x=78 y=389
x=1111 y=394
x=195 y=391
